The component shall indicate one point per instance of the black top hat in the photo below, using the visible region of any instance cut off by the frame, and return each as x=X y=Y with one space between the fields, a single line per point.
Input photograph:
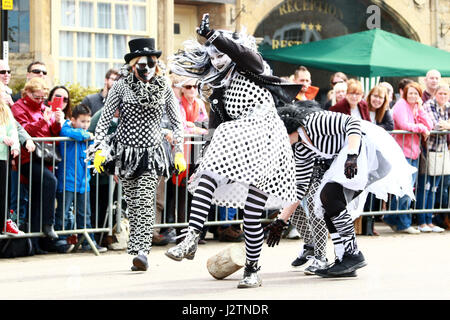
x=141 y=47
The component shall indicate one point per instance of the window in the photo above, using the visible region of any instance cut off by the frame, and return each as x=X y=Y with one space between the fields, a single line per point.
x=176 y=28
x=19 y=27
x=91 y=36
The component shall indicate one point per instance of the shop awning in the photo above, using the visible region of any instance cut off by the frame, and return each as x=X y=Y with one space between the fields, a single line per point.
x=367 y=54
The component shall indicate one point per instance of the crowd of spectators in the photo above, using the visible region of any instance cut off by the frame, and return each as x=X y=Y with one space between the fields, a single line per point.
x=61 y=195
x=413 y=109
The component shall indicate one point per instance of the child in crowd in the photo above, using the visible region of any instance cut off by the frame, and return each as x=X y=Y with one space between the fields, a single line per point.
x=73 y=178
x=8 y=138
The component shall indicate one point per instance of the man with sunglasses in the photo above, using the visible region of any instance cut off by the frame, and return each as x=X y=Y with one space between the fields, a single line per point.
x=35 y=69
x=5 y=77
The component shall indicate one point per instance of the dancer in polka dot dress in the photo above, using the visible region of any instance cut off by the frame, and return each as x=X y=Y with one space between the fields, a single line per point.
x=135 y=152
x=248 y=163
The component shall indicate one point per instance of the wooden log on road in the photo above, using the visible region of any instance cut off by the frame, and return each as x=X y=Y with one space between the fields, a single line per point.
x=227 y=261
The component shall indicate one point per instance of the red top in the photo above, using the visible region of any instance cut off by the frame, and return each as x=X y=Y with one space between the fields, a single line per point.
x=30 y=116
x=344 y=107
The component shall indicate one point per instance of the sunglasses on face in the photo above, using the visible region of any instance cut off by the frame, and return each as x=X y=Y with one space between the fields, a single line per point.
x=150 y=63
x=38 y=71
x=65 y=99
x=189 y=87
x=5 y=72
x=336 y=82
x=39 y=98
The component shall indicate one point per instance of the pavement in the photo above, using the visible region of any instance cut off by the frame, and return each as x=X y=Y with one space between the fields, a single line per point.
x=400 y=266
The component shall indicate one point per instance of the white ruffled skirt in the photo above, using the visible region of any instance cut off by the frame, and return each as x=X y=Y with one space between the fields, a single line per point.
x=382 y=170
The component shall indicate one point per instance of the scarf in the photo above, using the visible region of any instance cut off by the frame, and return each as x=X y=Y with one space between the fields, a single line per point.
x=190 y=109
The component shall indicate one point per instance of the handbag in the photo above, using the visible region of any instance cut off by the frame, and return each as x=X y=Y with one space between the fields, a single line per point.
x=48 y=153
x=438 y=163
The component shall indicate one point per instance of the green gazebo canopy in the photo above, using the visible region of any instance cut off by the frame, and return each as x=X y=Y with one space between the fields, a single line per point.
x=367 y=54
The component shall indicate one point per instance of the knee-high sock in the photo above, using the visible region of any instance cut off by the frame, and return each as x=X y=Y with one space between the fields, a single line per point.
x=253 y=231
x=344 y=225
x=201 y=202
x=342 y=233
x=335 y=237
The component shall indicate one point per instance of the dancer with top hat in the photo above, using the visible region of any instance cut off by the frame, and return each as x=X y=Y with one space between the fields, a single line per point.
x=134 y=152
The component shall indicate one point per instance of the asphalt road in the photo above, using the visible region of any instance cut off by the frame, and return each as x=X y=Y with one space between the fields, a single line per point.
x=399 y=266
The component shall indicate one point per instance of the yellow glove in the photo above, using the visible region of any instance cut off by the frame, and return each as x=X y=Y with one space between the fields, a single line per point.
x=98 y=160
x=180 y=163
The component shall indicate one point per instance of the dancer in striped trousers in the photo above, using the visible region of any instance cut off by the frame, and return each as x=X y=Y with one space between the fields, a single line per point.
x=366 y=158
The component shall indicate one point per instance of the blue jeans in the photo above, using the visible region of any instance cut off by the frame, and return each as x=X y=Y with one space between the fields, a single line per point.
x=23 y=205
x=426 y=196
x=402 y=221
x=223 y=214
x=67 y=209
x=442 y=192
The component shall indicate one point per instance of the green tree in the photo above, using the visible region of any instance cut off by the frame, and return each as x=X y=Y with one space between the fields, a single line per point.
x=77 y=92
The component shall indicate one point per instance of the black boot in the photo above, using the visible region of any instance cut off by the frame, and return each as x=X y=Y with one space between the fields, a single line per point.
x=140 y=263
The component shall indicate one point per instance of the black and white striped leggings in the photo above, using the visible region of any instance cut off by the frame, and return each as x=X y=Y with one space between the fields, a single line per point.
x=254 y=206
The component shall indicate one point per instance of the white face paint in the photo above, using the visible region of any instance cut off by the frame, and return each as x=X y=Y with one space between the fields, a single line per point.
x=144 y=70
x=219 y=60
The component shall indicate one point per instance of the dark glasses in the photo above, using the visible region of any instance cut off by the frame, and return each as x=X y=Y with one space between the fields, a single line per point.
x=38 y=71
x=189 y=87
x=5 y=71
x=336 y=82
x=150 y=63
x=65 y=99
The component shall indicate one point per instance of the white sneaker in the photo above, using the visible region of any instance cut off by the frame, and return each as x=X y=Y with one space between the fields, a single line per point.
x=410 y=230
x=318 y=264
x=425 y=229
x=437 y=229
x=293 y=234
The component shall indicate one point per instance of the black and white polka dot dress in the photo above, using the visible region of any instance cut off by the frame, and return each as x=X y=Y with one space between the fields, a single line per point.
x=253 y=148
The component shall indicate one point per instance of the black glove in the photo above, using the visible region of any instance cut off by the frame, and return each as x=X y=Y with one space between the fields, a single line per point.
x=204 y=29
x=275 y=229
x=350 y=166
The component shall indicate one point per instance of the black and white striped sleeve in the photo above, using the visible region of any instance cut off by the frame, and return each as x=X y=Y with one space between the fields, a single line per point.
x=335 y=123
x=304 y=163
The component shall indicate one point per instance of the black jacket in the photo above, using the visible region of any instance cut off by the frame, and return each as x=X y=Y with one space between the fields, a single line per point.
x=387 y=123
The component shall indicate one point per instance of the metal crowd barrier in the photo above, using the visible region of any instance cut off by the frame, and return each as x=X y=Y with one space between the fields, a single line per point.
x=178 y=201
x=384 y=207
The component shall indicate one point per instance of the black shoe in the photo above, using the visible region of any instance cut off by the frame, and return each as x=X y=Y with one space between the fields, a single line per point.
x=49 y=231
x=40 y=251
x=307 y=251
x=349 y=263
x=140 y=263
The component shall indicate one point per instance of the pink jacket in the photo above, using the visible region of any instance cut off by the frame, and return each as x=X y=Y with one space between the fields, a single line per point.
x=414 y=120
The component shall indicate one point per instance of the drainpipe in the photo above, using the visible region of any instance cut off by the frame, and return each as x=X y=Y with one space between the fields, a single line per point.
x=436 y=22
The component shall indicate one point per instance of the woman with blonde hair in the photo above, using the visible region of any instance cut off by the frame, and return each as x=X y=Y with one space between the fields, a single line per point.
x=39 y=121
x=8 y=140
x=378 y=103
